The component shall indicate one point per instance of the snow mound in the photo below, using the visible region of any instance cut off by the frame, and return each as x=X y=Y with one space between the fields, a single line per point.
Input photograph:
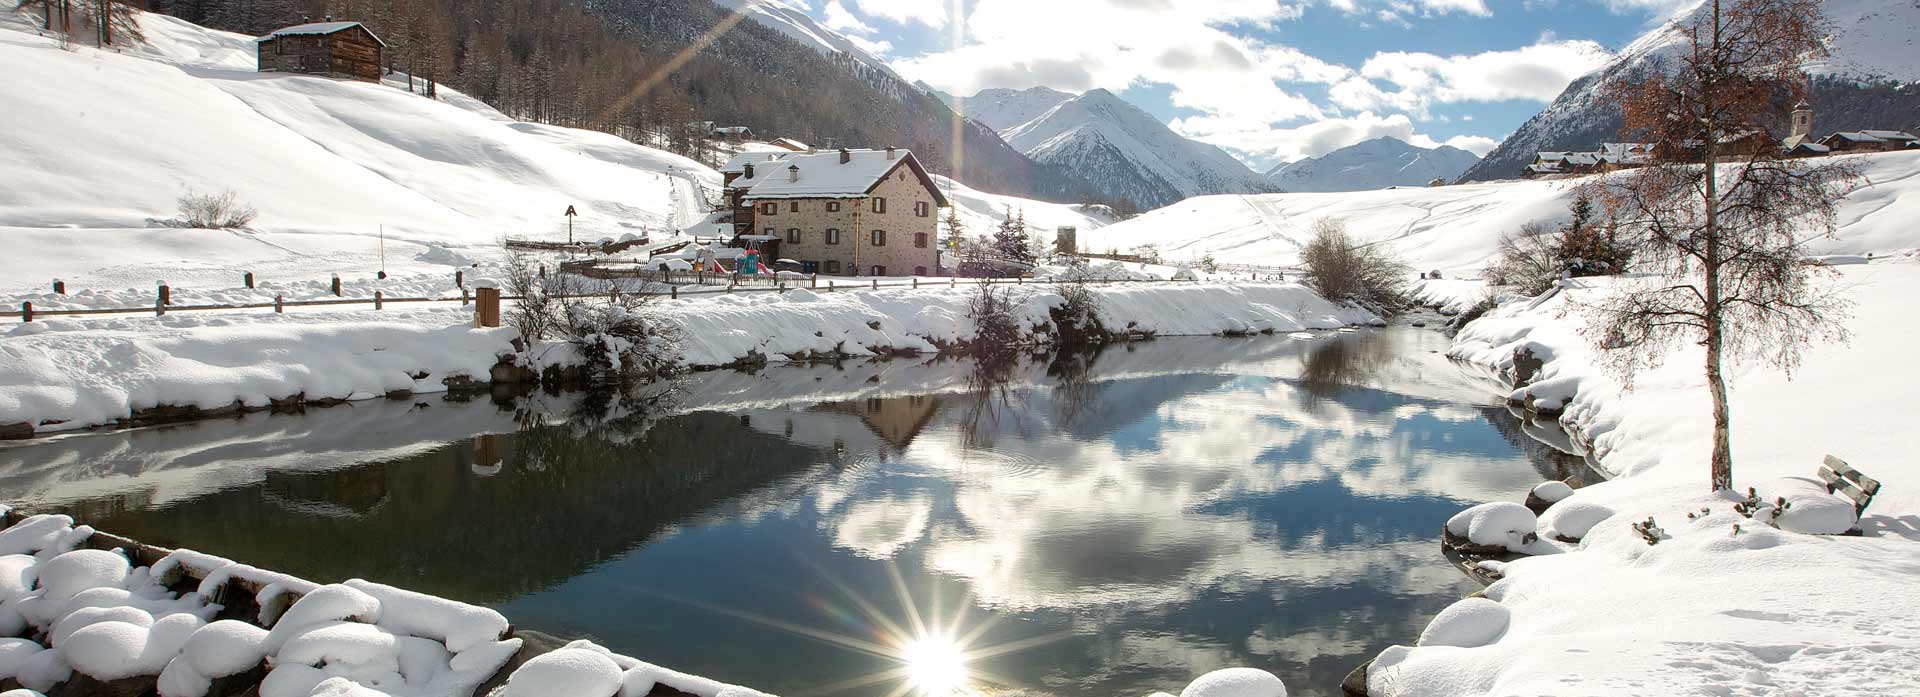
x=459 y=625
x=1552 y=491
x=66 y=575
x=1499 y=524
x=1236 y=682
x=1469 y=623
x=439 y=254
x=326 y=604
x=1573 y=519
x=226 y=647
x=568 y=671
x=1810 y=509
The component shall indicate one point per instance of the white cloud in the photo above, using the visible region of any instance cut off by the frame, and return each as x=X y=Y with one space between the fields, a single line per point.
x=933 y=13
x=839 y=19
x=1478 y=145
x=1265 y=146
x=1415 y=81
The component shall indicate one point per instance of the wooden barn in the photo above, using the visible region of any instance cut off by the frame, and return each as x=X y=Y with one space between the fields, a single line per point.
x=334 y=49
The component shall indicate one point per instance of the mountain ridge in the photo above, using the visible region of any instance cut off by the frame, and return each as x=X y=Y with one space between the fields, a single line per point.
x=1379 y=163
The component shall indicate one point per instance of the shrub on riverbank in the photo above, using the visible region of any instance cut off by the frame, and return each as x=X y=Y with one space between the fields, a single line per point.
x=1342 y=271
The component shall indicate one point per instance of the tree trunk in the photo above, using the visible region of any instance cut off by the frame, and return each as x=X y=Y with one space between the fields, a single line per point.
x=1722 y=469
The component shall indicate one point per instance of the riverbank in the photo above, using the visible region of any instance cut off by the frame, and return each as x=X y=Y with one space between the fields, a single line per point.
x=64 y=374
x=1709 y=608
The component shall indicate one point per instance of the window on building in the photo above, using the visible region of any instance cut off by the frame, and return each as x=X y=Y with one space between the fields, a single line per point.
x=920 y=240
x=922 y=208
x=919 y=270
x=879 y=270
x=833 y=237
x=793 y=235
x=769 y=208
x=879 y=238
x=833 y=267
x=879 y=204
x=793 y=206
x=833 y=206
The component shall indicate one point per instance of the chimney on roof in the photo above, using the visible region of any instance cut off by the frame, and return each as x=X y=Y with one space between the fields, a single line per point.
x=793 y=173
x=329 y=18
x=846 y=156
x=889 y=152
x=747 y=170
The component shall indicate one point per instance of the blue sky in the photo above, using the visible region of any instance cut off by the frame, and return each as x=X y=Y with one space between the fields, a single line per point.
x=1269 y=80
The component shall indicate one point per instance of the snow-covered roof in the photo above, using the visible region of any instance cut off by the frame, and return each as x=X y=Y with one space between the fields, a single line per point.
x=791 y=144
x=1582 y=158
x=823 y=175
x=318 y=29
x=733 y=129
x=1890 y=135
x=738 y=163
x=1812 y=146
x=1551 y=156
x=1856 y=136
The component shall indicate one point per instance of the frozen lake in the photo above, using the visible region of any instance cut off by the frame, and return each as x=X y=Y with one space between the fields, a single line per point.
x=1106 y=526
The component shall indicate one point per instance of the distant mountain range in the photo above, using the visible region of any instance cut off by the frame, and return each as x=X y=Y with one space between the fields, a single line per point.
x=1874 y=52
x=1375 y=164
x=1121 y=150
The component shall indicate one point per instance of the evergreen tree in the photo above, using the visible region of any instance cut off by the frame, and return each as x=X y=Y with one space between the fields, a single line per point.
x=1587 y=248
x=1011 y=240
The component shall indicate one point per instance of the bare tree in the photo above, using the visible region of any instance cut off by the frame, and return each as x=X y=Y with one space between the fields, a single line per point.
x=1720 y=217
x=1342 y=271
x=1527 y=259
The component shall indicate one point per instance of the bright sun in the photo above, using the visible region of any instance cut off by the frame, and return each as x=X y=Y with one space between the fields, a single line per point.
x=935 y=666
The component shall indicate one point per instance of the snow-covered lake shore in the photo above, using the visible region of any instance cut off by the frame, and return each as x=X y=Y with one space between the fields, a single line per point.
x=1708 y=609
x=63 y=374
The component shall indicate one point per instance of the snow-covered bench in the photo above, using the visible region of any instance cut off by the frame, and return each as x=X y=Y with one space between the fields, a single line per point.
x=1843 y=479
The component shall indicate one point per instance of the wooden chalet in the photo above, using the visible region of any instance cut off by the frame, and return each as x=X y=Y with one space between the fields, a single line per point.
x=334 y=49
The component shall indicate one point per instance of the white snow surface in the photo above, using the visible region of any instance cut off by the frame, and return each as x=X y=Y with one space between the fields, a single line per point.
x=1456 y=229
x=1468 y=623
x=1552 y=491
x=1709 y=609
x=1499 y=523
x=1236 y=682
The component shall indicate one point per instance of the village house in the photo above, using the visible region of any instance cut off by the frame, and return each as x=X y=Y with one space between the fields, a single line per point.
x=333 y=49
x=841 y=212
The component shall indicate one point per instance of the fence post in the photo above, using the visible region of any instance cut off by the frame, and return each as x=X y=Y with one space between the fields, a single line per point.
x=59 y=287
x=26 y=311
x=676 y=292
x=814 y=282
x=1019 y=280
x=378 y=299
x=247 y=280
x=336 y=285
x=459 y=278
x=279 y=304
x=382 y=275
x=953 y=283
x=829 y=285
x=487 y=311
x=166 y=295
x=465 y=297
x=876 y=284
x=916 y=282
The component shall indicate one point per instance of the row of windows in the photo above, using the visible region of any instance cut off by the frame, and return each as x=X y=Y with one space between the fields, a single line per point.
x=877 y=238
x=920 y=208
x=834 y=268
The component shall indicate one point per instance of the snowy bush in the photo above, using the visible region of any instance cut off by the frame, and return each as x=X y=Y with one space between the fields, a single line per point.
x=1076 y=320
x=221 y=211
x=996 y=329
x=1342 y=271
x=618 y=336
x=1528 y=260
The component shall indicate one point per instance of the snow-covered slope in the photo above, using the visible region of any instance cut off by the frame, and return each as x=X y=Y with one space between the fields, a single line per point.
x=1872 y=41
x=1127 y=152
x=98 y=144
x=1002 y=109
x=1456 y=228
x=1374 y=164
x=794 y=22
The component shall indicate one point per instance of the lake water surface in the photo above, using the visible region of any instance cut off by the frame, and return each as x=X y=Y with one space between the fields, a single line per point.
x=1105 y=525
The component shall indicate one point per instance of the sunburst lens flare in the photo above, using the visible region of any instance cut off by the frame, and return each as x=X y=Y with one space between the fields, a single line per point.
x=936 y=666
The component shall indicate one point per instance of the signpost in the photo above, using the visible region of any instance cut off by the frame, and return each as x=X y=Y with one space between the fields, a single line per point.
x=570 y=214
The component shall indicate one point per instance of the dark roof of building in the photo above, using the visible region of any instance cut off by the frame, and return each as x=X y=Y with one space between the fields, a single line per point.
x=319 y=29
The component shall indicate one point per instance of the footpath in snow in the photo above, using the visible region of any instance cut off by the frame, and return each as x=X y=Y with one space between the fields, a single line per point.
x=1707 y=610
x=60 y=374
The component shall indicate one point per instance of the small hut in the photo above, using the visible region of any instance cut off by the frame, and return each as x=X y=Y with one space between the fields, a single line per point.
x=334 y=49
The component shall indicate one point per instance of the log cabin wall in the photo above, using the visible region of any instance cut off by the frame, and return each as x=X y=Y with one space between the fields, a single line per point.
x=351 y=54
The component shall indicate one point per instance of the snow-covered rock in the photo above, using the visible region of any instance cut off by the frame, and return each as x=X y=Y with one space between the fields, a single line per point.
x=1468 y=623
x=1236 y=682
x=1572 y=519
x=1496 y=524
x=1552 y=491
x=568 y=671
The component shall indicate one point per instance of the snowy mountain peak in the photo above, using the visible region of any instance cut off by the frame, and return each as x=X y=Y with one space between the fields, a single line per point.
x=1002 y=109
x=1126 y=151
x=1373 y=164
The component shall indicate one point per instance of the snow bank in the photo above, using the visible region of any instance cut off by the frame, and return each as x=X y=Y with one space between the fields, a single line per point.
x=1552 y=491
x=1495 y=524
x=1468 y=623
x=1724 y=602
x=72 y=375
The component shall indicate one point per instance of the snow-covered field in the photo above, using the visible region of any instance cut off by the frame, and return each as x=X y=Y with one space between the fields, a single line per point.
x=1455 y=229
x=1708 y=610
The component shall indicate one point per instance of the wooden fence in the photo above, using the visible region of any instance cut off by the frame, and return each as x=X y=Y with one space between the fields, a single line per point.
x=679 y=283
